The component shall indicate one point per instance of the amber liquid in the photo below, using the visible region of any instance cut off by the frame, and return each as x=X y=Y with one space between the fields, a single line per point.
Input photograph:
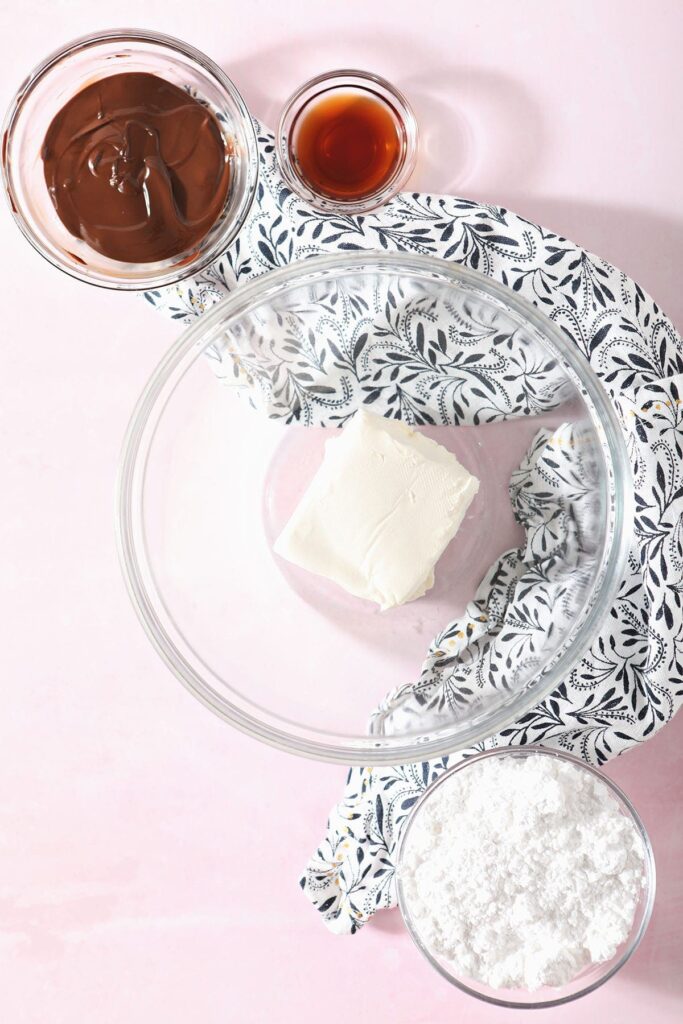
x=347 y=144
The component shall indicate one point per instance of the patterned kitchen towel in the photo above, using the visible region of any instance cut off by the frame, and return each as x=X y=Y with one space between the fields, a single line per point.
x=630 y=682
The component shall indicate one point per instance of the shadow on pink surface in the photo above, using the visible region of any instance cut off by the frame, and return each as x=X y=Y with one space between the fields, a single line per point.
x=651 y=776
x=479 y=131
x=467 y=116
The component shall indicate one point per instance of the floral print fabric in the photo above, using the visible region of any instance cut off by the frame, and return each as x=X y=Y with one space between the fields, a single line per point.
x=630 y=683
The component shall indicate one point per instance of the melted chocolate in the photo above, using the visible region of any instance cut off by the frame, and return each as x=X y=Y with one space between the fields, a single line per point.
x=136 y=167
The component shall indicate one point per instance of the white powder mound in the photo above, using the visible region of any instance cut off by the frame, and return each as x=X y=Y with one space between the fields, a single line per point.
x=521 y=872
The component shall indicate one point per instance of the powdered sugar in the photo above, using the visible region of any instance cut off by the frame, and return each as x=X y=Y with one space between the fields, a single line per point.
x=522 y=871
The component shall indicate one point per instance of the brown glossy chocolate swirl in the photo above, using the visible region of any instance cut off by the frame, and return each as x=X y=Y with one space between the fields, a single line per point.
x=137 y=168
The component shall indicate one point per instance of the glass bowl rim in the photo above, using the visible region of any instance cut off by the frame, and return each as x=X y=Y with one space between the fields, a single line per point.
x=168 y=375
x=624 y=803
x=302 y=97
x=41 y=71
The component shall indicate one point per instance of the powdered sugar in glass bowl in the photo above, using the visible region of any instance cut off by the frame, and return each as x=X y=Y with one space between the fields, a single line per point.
x=525 y=877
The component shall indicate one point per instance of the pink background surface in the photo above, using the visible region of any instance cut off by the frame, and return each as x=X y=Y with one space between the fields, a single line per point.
x=148 y=854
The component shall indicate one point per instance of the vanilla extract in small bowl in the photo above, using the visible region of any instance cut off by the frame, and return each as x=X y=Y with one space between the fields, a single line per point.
x=347 y=142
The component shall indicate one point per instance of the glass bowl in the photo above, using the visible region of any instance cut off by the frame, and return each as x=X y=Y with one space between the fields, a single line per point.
x=58 y=78
x=361 y=83
x=591 y=977
x=207 y=482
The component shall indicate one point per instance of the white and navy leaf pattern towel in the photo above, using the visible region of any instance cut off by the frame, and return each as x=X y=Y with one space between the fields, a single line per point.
x=630 y=683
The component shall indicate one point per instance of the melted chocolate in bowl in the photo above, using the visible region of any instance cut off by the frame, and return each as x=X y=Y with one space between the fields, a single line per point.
x=136 y=167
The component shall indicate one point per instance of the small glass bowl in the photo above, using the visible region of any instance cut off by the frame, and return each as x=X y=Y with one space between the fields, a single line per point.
x=591 y=977
x=63 y=74
x=376 y=88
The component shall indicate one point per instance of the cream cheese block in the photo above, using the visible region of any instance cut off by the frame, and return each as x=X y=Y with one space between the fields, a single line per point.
x=380 y=511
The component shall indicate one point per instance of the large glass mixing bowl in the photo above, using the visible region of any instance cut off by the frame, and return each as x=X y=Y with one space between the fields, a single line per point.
x=228 y=433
